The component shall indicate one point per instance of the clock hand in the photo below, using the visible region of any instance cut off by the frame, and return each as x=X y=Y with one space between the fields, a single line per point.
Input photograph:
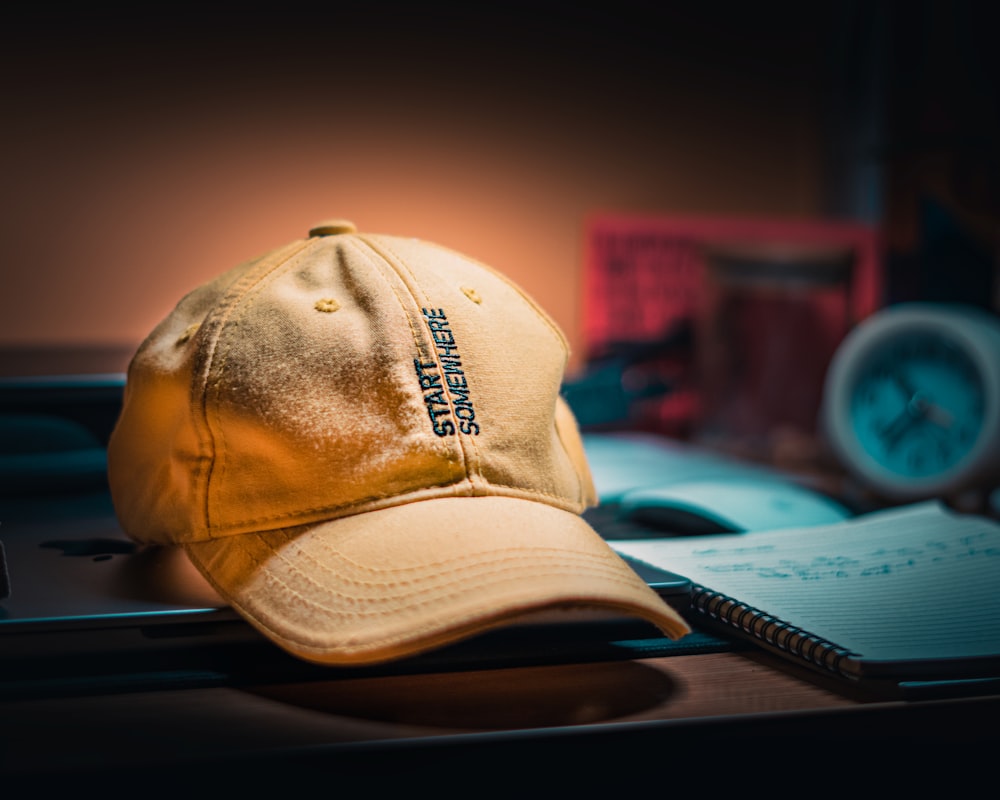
x=938 y=415
x=894 y=431
x=915 y=410
x=903 y=383
x=923 y=408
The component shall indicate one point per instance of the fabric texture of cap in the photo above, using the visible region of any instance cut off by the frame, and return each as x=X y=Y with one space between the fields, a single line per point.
x=360 y=443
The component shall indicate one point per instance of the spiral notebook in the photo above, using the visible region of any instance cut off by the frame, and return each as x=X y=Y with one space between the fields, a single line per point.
x=900 y=597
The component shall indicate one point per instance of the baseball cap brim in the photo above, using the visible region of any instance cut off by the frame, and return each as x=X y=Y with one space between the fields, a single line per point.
x=401 y=580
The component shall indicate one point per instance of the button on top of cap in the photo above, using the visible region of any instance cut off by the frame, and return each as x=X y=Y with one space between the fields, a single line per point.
x=332 y=227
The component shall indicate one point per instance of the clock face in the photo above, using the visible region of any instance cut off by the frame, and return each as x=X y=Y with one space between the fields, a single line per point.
x=918 y=405
x=911 y=401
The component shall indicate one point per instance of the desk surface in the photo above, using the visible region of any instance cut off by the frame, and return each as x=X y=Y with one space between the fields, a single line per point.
x=575 y=722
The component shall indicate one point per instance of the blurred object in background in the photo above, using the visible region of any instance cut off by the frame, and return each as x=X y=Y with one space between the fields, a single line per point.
x=691 y=322
x=637 y=385
x=771 y=318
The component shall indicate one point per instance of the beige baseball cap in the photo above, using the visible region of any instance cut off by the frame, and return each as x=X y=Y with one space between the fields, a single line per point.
x=359 y=441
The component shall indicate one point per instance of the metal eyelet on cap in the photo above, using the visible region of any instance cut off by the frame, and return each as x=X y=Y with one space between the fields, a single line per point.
x=332 y=227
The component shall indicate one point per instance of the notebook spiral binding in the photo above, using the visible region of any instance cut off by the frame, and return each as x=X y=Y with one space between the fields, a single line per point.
x=771 y=630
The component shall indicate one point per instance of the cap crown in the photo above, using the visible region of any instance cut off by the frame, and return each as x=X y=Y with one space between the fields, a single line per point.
x=340 y=374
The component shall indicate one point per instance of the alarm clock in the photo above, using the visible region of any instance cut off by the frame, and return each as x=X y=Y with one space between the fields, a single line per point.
x=911 y=401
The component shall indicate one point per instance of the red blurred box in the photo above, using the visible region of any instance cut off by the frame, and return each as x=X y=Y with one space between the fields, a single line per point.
x=647 y=276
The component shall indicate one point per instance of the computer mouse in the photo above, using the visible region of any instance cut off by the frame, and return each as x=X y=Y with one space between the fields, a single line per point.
x=729 y=504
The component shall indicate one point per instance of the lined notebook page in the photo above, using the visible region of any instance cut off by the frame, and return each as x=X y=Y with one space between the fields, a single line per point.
x=918 y=582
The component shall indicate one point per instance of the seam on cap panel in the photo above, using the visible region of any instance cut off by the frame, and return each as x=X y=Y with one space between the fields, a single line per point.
x=426 y=348
x=467 y=444
x=416 y=329
x=403 y=272
x=380 y=502
x=214 y=359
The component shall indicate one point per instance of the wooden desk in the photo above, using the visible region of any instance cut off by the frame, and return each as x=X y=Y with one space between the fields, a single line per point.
x=715 y=718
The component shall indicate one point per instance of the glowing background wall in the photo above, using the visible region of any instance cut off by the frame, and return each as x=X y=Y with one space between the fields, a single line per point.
x=141 y=156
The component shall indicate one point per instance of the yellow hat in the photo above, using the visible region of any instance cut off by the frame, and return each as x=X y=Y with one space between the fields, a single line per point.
x=360 y=443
